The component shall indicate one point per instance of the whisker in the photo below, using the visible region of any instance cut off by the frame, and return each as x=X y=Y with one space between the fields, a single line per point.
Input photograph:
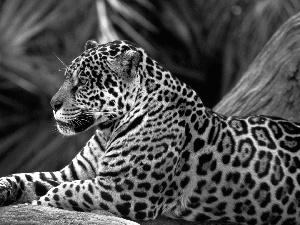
x=61 y=61
x=61 y=69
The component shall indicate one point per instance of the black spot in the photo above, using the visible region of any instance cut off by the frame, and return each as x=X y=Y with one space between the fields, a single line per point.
x=213 y=165
x=145 y=185
x=236 y=162
x=224 y=219
x=140 y=215
x=40 y=189
x=188 y=136
x=290 y=221
x=150 y=214
x=153 y=199
x=202 y=163
x=200 y=185
x=142 y=176
x=291 y=209
x=221 y=206
x=104 y=206
x=69 y=193
x=140 y=206
x=265 y=216
x=129 y=184
x=298 y=178
x=226 y=159
x=140 y=194
x=146 y=167
x=134 y=171
x=290 y=185
x=124 y=209
x=184 y=182
x=169 y=193
x=239 y=219
x=251 y=211
x=125 y=197
x=279 y=193
x=193 y=118
x=194 y=202
x=149 y=61
x=157 y=176
x=217 y=177
x=185 y=213
x=238 y=208
x=285 y=200
x=252 y=221
x=185 y=155
x=119 y=188
x=22 y=184
x=226 y=191
x=202 y=217
x=211 y=199
x=156 y=188
x=87 y=198
x=186 y=167
x=161 y=199
x=211 y=134
x=297 y=198
x=56 y=197
x=212 y=190
x=28 y=177
x=73 y=203
x=207 y=209
x=233 y=176
x=18 y=179
x=276 y=209
x=106 y=196
x=202 y=128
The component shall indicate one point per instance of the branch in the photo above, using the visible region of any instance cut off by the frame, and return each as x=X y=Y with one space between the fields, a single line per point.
x=271 y=85
x=30 y=214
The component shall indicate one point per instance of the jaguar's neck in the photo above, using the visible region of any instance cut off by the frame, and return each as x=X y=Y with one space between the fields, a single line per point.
x=206 y=123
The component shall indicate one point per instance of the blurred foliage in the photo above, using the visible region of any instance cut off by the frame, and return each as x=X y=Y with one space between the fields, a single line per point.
x=206 y=43
x=29 y=77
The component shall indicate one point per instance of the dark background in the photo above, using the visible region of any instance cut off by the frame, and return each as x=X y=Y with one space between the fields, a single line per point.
x=206 y=43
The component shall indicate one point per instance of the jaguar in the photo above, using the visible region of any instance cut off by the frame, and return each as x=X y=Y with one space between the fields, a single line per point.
x=157 y=150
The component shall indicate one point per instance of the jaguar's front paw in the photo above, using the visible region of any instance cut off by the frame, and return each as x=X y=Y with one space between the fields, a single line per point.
x=6 y=192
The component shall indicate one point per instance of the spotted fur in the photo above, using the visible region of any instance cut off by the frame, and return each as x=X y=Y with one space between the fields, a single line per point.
x=158 y=150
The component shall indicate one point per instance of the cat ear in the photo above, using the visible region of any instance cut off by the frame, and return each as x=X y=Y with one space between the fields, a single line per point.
x=90 y=44
x=126 y=64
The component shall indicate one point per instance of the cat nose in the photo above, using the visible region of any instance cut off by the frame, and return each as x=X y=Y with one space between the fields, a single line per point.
x=56 y=104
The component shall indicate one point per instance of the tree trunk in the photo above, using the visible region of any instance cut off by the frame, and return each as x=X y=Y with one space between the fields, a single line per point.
x=271 y=86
